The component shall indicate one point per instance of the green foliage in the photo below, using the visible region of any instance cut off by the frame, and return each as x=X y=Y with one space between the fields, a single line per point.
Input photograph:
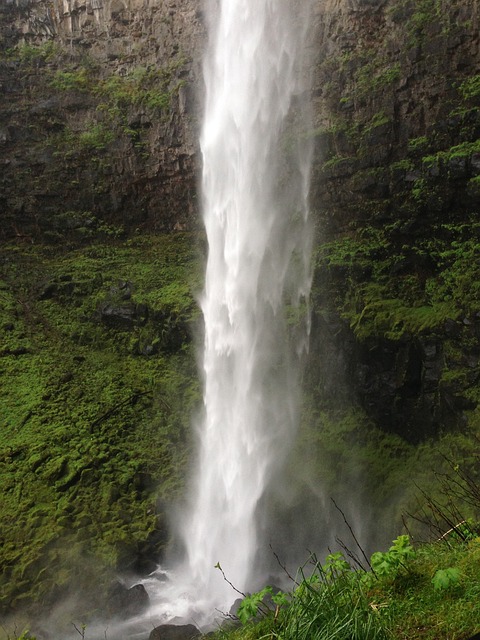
x=470 y=88
x=114 y=95
x=335 y=161
x=390 y=562
x=76 y=80
x=335 y=565
x=150 y=87
x=401 y=602
x=30 y=54
x=24 y=635
x=445 y=578
x=323 y=608
x=382 y=305
x=375 y=75
x=462 y=150
x=94 y=423
x=253 y=604
x=97 y=137
x=402 y=165
x=420 y=143
x=420 y=190
x=92 y=140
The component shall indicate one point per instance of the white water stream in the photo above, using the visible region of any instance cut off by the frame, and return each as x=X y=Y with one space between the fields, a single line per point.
x=255 y=188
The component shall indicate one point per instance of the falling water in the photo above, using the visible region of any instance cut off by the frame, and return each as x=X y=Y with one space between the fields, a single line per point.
x=255 y=186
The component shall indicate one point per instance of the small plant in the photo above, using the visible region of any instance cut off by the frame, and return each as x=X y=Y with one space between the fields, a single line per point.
x=71 y=80
x=25 y=635
x=445 y=578
x=335 y=565
x=470 y=88
x=255 y=603
x=97 y=138
x=389 y=563
x=417 y=144
x=29 y=54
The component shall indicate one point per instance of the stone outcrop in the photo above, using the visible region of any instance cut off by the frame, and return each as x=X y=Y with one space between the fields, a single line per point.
x=126 y=602
x=174 y=632
x=98 y=118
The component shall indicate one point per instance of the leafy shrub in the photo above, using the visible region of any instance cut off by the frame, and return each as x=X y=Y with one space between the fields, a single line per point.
x=445 y=578
x=389 y=563
x=71 y=80
x=470 y=88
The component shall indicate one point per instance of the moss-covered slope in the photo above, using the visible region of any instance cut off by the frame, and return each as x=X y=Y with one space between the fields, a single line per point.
x=99 y=386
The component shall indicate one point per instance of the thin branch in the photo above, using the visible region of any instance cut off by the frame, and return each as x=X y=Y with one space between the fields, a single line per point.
x=82 y=632
x=352 y=555
x=282 y=566
x=131 y=400
x=352 y=534
x=218 y=566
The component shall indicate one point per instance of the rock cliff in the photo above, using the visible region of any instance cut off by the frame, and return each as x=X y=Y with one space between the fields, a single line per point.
x=396 y=198
x=99 y=127
x=98 y=118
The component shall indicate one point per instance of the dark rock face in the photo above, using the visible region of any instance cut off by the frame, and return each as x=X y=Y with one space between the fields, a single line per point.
x=394 y=182
x=124 y=154
x=127 y=602
x=174 y=632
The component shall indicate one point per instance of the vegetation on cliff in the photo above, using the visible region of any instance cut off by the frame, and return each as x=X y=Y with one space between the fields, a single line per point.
x=99 y=386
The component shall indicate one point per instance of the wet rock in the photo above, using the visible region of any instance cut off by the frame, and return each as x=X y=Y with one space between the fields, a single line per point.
x=452 y=328
x=126 y=602
x=118 y=317
x=457 y=167
x=174 y=632
x=123 y=290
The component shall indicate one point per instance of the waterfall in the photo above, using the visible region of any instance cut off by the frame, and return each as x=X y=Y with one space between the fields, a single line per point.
x=255 y=188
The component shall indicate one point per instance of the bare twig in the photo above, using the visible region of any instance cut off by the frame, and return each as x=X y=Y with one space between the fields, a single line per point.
x=282 y=566
x=131 y=400
x=352 y=534
x=218 y=566
x=352 y=555
x=82 y=632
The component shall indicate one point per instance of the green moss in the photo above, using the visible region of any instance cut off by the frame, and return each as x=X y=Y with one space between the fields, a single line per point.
x=375 y=75
x=378 y=302
x=418 y=144
x=94 y=433
x=402 y=165
x=336 y=162
x=341 y=448
x=462 y=150
x=73 y=80
x=470 y=88
x=30 y=54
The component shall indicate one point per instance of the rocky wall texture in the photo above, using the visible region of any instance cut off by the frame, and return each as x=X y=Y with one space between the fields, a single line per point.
x=396 y=197
x=98 y=141
x=98 y=118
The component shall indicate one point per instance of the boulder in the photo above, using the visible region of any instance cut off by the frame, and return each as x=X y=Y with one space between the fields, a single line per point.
x=126 y=602
x=174 y=632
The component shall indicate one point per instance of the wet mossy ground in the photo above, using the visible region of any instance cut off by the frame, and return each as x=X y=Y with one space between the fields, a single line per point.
x=99 y=387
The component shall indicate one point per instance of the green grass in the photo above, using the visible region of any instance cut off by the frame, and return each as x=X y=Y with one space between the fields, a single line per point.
x=404 y=601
